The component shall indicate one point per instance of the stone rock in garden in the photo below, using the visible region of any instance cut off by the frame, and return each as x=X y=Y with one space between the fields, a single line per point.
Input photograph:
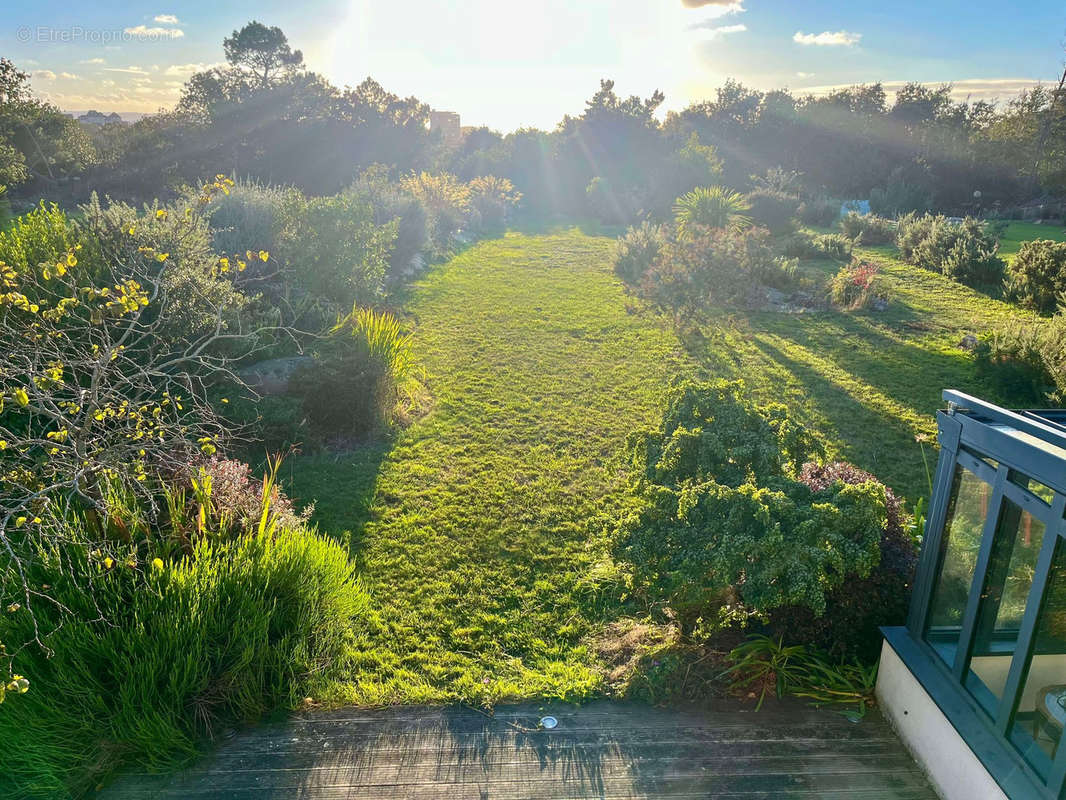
x=969 y=342
x=879 y=304
x=271 y=377
x=776 y=298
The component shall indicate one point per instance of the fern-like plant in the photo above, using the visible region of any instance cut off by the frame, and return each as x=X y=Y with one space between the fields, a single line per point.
x=713 y=207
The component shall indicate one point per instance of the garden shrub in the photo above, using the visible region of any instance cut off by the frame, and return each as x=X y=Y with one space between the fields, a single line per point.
x=859 y=606
x=343 y=253
x=637 y=251
x=236 y=497
x=154 y=659
x=867 y=229
x=257 y=217
x=713 y=267
x=966 y=252
x=723 y=519
x=492 y=201
x=856 y=286
x=614 y=203
x=110 y=349
x=446 y=200
x=814 y=246
x=773 y=209
x=820 y=212
x=1037 y=276
x=359 y=373
x=116 y=234
x=1026 y=360
x=43 y=235
x=391 y=203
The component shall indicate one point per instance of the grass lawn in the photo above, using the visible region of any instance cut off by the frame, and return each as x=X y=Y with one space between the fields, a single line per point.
x=1018 y=232
x=868 y=381
x=475 y=529
x=477 y=521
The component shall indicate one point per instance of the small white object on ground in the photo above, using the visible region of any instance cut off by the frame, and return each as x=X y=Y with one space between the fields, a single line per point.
x=548 y=723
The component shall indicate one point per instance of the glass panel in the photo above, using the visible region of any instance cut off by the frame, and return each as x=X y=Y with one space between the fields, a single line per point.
x=1040 y=712
x=1008 y=580
x=1045 y=493
x=967 y=510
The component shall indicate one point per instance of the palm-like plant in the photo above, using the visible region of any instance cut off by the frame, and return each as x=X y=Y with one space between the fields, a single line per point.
x=712 y=206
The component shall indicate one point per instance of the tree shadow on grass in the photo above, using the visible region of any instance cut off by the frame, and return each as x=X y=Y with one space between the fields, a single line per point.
x=342 y=487
x=895 y=458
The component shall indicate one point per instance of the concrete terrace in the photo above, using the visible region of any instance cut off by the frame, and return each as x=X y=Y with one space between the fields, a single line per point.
x=602 y=750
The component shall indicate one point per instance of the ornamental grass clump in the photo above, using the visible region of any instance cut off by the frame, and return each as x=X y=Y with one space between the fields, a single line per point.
x=361 y=373
x=149 y=659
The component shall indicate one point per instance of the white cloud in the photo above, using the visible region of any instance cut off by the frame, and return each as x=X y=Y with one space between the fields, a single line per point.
x=184 y=70
x=70 y=76
x=724 y=30
x=145 y=32
x=828 y=38
x=44 y=75
x=719 y=10
x=968 y=89
x=804 y=74
x=94 y=61
x=131 y=70
x=168 y=19
x=712 y=3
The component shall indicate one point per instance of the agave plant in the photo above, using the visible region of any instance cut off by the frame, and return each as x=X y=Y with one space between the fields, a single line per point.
x=712 y=206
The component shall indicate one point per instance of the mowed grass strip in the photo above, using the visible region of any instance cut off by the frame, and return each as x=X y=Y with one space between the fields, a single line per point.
x=476 y=543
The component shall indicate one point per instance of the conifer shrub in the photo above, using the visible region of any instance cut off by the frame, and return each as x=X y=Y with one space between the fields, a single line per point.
x=857 y=608
x=1037 y=276
x=820 y=212
x=722 y=519
x=773 y=209
x=1026 y=360
x=966 y=251
x=636 y=252
x=868 y=229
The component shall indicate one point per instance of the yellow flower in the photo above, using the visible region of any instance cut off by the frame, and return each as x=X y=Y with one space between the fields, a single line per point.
x=108 y=562
x=22 y=397
x=161 y=214
x=161 y=257
x=157 y=563
x=263 y=255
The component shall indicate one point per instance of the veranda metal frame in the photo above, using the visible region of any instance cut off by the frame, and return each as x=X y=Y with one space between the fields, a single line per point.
x=993 y=444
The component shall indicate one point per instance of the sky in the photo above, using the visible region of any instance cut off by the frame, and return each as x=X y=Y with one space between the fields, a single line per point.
x=513 y=64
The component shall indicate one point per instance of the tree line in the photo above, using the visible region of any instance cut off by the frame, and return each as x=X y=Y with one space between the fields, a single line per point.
x=264 y=116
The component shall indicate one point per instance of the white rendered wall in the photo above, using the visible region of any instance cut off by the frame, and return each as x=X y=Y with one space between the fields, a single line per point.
x=952 y=767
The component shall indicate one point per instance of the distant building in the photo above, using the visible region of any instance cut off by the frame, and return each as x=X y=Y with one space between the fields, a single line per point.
x=447 y=122
x=96 y=118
